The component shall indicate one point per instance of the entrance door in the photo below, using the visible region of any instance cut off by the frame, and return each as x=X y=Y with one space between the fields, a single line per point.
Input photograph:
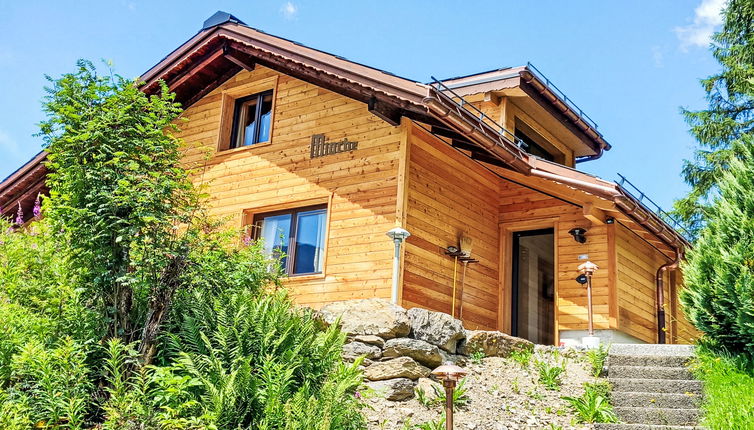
x=533 y=289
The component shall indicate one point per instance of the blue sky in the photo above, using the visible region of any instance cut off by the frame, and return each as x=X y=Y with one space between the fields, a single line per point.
x=629 y=65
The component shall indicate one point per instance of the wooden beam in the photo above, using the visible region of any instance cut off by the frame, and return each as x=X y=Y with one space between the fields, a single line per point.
x=593 y=214
x=239 y=59
x=206 y=89
x=382 y=110
x=195 y=69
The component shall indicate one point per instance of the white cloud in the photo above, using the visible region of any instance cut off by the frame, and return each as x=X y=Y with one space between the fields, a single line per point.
x=707 y=16
x=289 y=10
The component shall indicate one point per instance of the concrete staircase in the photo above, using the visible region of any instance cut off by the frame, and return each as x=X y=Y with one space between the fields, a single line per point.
x=653 y=388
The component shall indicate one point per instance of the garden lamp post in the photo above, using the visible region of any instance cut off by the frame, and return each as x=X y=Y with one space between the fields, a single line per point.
x=449 y=374
x=398 y=235
x=587 y=270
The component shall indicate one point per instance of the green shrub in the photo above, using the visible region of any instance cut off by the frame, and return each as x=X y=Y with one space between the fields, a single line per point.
x=259 y=362
x=719 y=271
x=593 y=406
x=728 y=389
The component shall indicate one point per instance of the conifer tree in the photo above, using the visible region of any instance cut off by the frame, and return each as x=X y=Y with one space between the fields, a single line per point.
x=730 y=116
x=719 y=270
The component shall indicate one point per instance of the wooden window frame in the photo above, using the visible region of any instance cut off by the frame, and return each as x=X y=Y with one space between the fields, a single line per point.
x=229 y=96
x=238 y=108
x=292 y=242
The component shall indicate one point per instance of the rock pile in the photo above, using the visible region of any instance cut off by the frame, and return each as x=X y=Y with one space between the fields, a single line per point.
x=401 y=346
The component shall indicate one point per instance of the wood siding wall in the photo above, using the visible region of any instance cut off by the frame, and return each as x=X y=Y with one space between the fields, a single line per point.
x=360 y=185
x=523 y=208
x=449 y=194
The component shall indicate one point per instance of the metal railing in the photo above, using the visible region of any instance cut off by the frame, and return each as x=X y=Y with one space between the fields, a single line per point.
x=639 y=195
x=561 y=95
x=461 y=103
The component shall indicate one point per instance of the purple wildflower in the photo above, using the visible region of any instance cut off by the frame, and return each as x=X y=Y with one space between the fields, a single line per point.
x=20 y=215
x=37 y=211
x=357 y=395
x=247 y=239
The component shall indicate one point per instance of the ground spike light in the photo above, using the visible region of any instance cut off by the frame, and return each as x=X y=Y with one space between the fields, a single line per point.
x=449 y=374
x=587 y=270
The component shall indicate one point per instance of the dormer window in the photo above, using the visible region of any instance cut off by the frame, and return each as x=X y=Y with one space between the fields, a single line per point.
x=532 y=147
x=251 y=120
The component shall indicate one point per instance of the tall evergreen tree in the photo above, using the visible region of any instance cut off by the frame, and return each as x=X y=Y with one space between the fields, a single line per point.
x=719 y=271
x=730 y=116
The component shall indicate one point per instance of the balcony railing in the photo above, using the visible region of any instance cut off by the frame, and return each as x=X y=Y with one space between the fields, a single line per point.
x=639 y=195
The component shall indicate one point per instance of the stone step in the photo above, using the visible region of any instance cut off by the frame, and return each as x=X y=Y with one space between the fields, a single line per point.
x=652 y=349
x=638 y=385
x=643 y=427
x=656 y=400
x=650 y=372
x=661 y=416
x=647 y=360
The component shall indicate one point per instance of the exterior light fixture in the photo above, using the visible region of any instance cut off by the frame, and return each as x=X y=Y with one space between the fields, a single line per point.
x=398 y=235
x=578 y=234
x=449 y=374
x=609 y=220
x=587 y=271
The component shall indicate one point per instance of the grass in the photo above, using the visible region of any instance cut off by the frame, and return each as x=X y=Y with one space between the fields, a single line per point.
x=522 y=356
x=728 y=389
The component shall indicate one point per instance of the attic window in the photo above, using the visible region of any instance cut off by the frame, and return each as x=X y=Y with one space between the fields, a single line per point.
x=251 y=120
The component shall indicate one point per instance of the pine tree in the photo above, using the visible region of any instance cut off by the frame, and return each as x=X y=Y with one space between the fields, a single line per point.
x=730 y=116
x=719 y=271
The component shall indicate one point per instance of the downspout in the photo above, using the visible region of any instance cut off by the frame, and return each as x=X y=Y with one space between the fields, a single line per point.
x=660 y=293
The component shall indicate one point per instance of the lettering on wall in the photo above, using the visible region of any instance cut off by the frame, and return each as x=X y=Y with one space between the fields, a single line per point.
x=320 y=147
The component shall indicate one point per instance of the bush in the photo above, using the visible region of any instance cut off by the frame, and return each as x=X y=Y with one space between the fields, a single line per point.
x=719 y=271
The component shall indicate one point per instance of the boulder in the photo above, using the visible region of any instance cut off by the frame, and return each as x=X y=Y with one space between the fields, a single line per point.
x=426 y=385
x=457 y=359
x=354 y=350
x=396 y=389
x=421 y=351
x=493 y=343
x=367 y=317
x=370 y=340
x=437 y=328
x=401 y=367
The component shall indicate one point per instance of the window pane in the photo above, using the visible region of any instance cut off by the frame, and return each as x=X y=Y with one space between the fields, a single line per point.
x=275 y=232
x=249 y=122
x=264 y=119
x=310 y=242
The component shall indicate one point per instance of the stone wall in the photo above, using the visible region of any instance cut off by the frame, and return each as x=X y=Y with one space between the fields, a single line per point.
x=401 y=346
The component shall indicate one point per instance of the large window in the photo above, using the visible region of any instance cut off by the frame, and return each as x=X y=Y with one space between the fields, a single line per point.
x=532 y=147
x=251 y=120
x=296 y=236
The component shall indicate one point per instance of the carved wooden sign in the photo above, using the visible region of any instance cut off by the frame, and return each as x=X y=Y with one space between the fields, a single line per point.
x=320 y=148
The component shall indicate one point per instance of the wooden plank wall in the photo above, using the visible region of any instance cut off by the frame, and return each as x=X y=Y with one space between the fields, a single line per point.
x=521 y=206
x=361 y=184
x=449 y=194
x=637 y=264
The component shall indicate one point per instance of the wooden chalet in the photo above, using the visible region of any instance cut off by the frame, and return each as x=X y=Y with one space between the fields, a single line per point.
x=321 y=156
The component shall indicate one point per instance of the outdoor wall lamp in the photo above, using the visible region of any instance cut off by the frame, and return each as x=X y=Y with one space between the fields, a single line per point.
x=578 y=234
x=398 y=235
x=449 y=374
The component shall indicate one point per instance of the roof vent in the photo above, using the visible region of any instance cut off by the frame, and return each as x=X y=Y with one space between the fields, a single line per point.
x=219 y=18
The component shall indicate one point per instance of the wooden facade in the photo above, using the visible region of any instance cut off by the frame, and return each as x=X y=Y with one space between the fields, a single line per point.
x=404 y=172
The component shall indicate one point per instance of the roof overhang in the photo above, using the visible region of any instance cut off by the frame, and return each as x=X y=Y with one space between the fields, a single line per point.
x=525 y=81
